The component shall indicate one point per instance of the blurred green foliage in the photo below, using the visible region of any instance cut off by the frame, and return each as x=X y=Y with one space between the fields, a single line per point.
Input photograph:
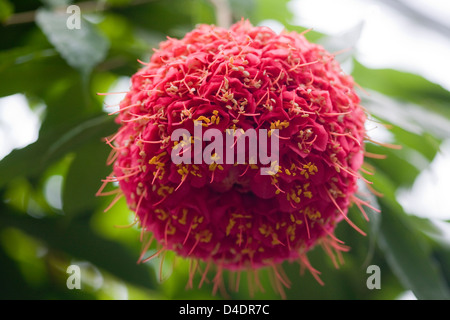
x=63 y=69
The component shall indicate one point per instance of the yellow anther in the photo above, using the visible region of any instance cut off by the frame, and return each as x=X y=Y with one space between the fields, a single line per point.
x=155 y=159
x=279 y=124
x=290 y=231
x=204 y=236
x=275 y=240
x=313 y=214
x=164 y=190
x=238 y=215
x=183 y=217
x=170 y=229
x=312 y=168
x=263 y=230
x=230 y=226
x=161 y=214
x=203 y=118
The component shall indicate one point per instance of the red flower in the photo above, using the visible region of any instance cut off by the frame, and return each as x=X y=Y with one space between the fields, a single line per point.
x=227 y=214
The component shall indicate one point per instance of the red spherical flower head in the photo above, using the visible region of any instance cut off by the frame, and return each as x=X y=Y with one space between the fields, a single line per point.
x=208 y=200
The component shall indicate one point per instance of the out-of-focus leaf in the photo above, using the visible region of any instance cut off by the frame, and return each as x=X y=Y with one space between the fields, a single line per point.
x=14 y=285
x=117 y=3
x=24 y=68
x=411 y=258
x=170 y=17
x=407 y=251
x=242 y=9
x=128 y=44
x=409 y=116
x=84 y=178
x=94 y=128
x=79 y=241
x=438 y=232
x=273 y=10
x=33 y=159
x=426 y=144
x=6 y=10
x=400 y=165
x=82 y=48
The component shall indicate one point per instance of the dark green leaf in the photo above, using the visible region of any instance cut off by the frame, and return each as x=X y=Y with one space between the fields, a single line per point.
x=169 y=17
x=91 y=129
x=35 y=158
x=84 y=179
x=437 y=232
x=6 y=10
x=79 y=241
x=409 y=254
x=24 y=68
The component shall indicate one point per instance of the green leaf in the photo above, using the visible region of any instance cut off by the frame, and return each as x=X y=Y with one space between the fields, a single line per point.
x=407 y=251
x=14 y=285
x=78 y=240
x=438 y=233
x=84 y=179
x=35 y=158
x=426 y=144
x=82 y=48
x=273 y=10
x=411 y=257
x=400 y=165
x=242 y=8
x=93 y=128
x=118 y=3
x=405 y=86
x=6 y=10
x=23 y=66
x=409 y=116
x=169 y=17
